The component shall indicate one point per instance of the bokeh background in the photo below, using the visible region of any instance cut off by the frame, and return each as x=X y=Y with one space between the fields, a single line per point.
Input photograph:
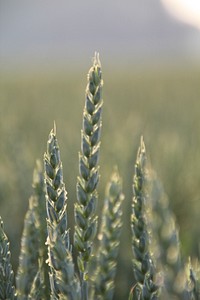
x=150 y=55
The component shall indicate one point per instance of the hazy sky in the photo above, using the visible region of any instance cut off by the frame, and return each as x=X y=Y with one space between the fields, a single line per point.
x=53 y=32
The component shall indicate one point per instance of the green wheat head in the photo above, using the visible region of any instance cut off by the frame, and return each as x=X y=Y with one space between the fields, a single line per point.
x=40 y=214
x=166 y=242
x=64 y=284
x=109 y=239
x=29 y=256
x=85 y=218
x=143 y=265
x=33 y=251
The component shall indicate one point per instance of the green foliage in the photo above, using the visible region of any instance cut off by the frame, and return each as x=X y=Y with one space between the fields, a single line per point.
x=53 y=267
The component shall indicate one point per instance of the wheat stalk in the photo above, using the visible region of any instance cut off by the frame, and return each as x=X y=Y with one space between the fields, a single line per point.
x=59 y=249
x=28 y=260
x=143 y=265
x=7 y=289
x=40 y=215
x=166 y=242
x=109 y=238
x=85 y=218
x=33 y=250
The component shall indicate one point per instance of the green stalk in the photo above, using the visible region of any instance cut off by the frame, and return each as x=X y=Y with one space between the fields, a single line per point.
x=109 y=237
x=143 y=265
x=33 y=249
x=64 y=284
x=28 y=260
x=40 y=213
x=166 y=242
x=7 y=289
x=85 y=218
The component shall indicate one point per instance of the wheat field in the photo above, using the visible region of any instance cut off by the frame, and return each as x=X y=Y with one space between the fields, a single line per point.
x=162 y=104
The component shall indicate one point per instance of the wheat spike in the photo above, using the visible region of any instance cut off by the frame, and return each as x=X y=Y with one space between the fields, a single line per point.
x=58 y=241
x=143 y=264
x=85 y=218
x=109 y=239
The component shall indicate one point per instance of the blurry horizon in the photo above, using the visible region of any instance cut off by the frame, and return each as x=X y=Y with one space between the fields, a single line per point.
x=47 y=34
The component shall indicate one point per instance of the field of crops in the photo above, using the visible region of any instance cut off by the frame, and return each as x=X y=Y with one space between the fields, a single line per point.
x=162 y=104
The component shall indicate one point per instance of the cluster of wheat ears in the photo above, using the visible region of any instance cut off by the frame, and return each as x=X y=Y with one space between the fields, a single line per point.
x=48 y=268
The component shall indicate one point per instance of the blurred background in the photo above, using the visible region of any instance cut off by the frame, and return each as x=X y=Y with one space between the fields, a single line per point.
x=150 y=55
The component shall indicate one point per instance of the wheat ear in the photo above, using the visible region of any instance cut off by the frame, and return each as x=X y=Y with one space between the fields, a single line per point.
x=64 y=284
x=33 y=250
x=85 y=218
x=109 y=238
x=7 y=289
x=166 y=242
x=143 y=265
x=40 y=214
x=28 y=260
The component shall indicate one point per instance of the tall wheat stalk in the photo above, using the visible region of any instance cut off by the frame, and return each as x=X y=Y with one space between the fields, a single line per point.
x=64 y=284
x=29 y=256
x=40 y=214
x=85 y=218
x=33 y=251
x=166 y=242
x=143 y=265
